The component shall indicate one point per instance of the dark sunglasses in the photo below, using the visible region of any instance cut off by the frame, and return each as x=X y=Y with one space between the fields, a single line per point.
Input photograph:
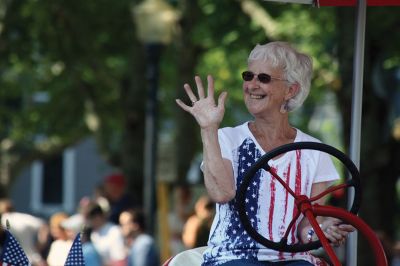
x=262 y=77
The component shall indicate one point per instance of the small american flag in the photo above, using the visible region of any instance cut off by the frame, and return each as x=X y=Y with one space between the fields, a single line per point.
x=75 y=255
x=13 y=254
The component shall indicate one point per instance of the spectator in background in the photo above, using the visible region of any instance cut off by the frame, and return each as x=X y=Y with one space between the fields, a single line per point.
x=182 y=209
x=24 y=227
x=61 y=244
x=117 y=196
x=91 y=255
x=75 y=224
x=43 y=242
x=197 y=227
x=106 y=237
x=142 y=250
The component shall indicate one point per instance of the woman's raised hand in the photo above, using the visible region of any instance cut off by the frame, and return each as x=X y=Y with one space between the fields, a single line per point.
x=207 y=113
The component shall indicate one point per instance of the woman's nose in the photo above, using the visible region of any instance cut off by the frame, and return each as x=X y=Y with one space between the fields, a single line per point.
x=253 y=84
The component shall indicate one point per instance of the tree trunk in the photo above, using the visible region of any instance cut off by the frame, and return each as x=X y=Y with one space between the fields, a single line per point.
x=133 y=98
x=187 y=134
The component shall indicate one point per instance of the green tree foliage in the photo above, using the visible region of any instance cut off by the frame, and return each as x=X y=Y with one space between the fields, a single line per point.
x=67 y=72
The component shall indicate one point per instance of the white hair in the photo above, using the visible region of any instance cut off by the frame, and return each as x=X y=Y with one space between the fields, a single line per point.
x=297 y=67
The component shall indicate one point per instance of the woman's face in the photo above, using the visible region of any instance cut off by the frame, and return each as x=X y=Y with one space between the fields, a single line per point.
x=264 y=99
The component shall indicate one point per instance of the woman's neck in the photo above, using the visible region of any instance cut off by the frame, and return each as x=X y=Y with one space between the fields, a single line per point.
x=271 y=134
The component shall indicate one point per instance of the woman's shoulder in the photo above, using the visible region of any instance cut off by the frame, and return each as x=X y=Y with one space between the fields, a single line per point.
x=242 y=128
x=234 y=134
x=301 y=136
x=311 y=155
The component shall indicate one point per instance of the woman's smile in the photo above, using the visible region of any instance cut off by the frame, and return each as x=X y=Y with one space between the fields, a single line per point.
x=256 y=96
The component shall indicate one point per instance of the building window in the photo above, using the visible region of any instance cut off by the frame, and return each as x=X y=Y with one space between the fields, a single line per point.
x=53 y=184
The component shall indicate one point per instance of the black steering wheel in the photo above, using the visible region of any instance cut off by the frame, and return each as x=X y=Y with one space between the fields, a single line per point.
x=262 y=163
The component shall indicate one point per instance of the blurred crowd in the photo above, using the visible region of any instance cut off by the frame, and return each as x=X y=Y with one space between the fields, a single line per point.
x=111 y=225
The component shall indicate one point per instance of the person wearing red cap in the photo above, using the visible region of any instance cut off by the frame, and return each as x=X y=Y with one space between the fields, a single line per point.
x=117 y=195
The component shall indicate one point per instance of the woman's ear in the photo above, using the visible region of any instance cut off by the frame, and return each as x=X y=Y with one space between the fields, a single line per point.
x=294 y=88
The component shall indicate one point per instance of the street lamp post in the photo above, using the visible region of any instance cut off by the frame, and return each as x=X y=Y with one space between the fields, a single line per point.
x=154 y=20
x=153 y=52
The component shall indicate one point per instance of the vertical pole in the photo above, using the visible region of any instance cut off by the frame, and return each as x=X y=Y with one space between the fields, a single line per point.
x=355 y=134
x=153 y=51
x=164 y=227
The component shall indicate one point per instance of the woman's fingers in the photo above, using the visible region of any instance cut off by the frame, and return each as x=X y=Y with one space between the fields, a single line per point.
x=337 y=233
x=334 y=221
x=334 y=232
x=183 y=105
x=200 y=88
x=210 y=86
x=190 y=93
x=347 y=227
x=222 y=98
x=205 y=104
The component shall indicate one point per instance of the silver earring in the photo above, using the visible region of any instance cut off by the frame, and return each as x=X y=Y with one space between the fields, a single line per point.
x=284 y=107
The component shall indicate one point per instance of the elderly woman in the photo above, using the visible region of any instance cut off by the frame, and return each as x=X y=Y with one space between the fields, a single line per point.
x=277 y=82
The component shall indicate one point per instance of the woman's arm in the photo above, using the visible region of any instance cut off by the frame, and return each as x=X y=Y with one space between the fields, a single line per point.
x=218 y=172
